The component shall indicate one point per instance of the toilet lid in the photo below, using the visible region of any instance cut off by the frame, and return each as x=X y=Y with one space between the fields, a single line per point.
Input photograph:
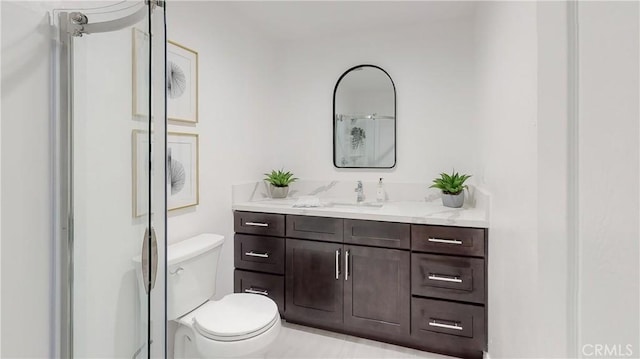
x=236 y=317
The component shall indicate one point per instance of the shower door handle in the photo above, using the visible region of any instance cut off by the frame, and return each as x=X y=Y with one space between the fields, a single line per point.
x=149 y=259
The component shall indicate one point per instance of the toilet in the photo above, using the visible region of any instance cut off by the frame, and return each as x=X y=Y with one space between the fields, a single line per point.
x=238 y=325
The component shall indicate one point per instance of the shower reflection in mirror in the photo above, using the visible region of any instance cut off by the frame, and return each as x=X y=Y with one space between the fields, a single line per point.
x=364 y=119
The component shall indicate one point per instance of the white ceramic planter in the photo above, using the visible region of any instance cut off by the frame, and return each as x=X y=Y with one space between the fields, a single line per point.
x=278 y=192
x=453 y=201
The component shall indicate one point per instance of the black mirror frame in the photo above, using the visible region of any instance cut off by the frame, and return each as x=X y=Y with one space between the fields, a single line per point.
x=395 y=120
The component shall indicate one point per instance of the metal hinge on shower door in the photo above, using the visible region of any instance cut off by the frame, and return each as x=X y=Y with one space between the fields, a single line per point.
x=77 y=20
x=149 y=259
x=158 y=3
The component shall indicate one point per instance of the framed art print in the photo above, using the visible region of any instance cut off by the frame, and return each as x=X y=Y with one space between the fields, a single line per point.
x=182 y=83
x=182 y=170
x=140 y=73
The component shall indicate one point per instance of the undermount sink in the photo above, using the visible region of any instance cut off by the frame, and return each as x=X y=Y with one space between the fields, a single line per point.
x=358 y=204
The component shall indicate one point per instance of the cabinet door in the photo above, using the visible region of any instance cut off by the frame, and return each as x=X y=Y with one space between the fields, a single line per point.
x=314 y=283
x=377 y=291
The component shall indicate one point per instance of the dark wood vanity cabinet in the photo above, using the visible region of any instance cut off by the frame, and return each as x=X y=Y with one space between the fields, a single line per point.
x=449 y=289
x=346 y=287
x=259 y=250
x=352 y=288
x=421 y=286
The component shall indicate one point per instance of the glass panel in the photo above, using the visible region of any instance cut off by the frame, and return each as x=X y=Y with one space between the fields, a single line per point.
x=118 y=193
x=157 y=308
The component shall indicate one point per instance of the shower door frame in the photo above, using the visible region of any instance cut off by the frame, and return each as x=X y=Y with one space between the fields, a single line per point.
x=69 y=25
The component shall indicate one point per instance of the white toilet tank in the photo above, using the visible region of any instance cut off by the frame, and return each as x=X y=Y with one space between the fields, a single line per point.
x=191 y=273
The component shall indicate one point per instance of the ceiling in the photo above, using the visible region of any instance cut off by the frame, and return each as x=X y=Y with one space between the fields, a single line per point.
x=293 y=20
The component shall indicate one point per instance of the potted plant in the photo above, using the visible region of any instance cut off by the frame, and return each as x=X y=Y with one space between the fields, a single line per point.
x=452 y=187
x=279 y=183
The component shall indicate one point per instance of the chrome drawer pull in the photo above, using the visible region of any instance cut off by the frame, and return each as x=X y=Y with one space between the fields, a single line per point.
x=337 y=264
x=256 y=291
x=254 y=254
x=434 y=323
x=446 y=241
x=346 y=265
x=445 y=278
x=256 y=224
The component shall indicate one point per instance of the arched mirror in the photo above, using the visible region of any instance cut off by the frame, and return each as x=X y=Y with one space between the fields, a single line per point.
x=364 y=119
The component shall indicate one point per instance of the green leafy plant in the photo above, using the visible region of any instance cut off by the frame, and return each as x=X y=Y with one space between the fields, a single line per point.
x=450 y=184
x=280 y=178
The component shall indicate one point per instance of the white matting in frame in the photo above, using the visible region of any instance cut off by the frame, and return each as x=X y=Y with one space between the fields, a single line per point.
x=140 y=73
x=140 y=157
x=182 y=83
x=182 y=170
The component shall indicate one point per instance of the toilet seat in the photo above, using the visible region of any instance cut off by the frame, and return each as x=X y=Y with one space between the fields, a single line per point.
x=235 y=317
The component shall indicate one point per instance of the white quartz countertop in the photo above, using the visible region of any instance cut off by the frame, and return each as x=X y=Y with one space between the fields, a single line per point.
x=416 y=212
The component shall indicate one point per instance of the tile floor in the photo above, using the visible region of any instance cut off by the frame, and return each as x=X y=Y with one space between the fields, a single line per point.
x=296 y=341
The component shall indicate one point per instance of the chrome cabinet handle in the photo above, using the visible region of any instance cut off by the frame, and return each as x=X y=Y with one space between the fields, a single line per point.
x=256 y=291
x=256 y=224
x=443 y=278
x=455 y=326
x=254 y=254
x=149 y=259
x=346 y=265
x=337 y=264
x=446 y=241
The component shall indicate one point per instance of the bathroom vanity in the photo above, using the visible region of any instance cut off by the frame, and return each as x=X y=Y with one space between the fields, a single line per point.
x=394 y=274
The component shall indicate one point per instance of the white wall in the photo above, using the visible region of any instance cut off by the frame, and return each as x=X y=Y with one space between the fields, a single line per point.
x=506 y=114
x=0 y=194
x=552 y=136
x=431 y=64
x=26 y=182
x=609 y=208
x=238 y=71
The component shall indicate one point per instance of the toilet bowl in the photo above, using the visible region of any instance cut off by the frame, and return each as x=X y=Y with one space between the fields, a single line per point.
x=238 y=325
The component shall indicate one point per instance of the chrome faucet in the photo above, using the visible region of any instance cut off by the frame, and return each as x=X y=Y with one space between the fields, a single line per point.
x=359 y=192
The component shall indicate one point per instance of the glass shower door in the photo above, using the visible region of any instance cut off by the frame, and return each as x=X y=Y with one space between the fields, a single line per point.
x=114 y=61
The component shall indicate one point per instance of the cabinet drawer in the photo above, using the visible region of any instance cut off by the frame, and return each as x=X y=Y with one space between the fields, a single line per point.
x=448 y=240
x=377 y=234
x=448 y=277
x=270 y=285
x=448 y=326
x=318 y=228
x=259 y=253
x=268 y=224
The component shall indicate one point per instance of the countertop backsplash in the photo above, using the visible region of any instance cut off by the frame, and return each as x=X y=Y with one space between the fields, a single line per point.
x=395 y=191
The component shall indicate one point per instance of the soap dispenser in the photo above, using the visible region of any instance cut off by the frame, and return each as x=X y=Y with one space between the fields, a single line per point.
x=380 y=197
